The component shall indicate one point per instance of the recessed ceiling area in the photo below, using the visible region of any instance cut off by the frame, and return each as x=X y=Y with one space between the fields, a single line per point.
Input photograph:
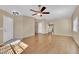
x=56 y=11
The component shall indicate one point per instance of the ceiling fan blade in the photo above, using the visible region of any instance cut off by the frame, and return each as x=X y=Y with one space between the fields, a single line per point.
x=34 y=14
x=43 y=8
x=33 y=10
x=46 y=13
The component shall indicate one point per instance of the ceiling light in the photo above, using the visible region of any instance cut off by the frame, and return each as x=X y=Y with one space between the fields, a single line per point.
x=39 y=14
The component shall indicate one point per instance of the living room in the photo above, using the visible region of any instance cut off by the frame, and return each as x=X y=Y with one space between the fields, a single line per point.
x=53 y=32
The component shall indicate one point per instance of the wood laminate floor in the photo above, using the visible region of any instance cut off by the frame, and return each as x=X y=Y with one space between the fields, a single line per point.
x=50 y=44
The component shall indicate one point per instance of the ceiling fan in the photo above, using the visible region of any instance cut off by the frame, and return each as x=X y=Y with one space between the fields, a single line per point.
x=40 y=12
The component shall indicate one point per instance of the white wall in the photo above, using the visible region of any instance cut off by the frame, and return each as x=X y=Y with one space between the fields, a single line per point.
x=18 y=27
x=24 y=26
x=28 y=26
x=62 y=27
x=76 y=34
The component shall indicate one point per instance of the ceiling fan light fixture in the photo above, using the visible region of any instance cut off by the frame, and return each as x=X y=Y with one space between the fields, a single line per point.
x=39 y=14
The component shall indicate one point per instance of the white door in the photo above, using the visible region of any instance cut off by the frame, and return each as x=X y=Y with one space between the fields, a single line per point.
x=7 y=28
x=40 y=28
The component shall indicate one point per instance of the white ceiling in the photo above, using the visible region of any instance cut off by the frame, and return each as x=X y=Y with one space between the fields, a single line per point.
x=56 y=11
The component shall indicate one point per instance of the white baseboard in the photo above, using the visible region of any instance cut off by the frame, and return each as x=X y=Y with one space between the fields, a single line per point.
x=29 y=35
x=63 y=34
x=24 y=36
x=58 y=34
